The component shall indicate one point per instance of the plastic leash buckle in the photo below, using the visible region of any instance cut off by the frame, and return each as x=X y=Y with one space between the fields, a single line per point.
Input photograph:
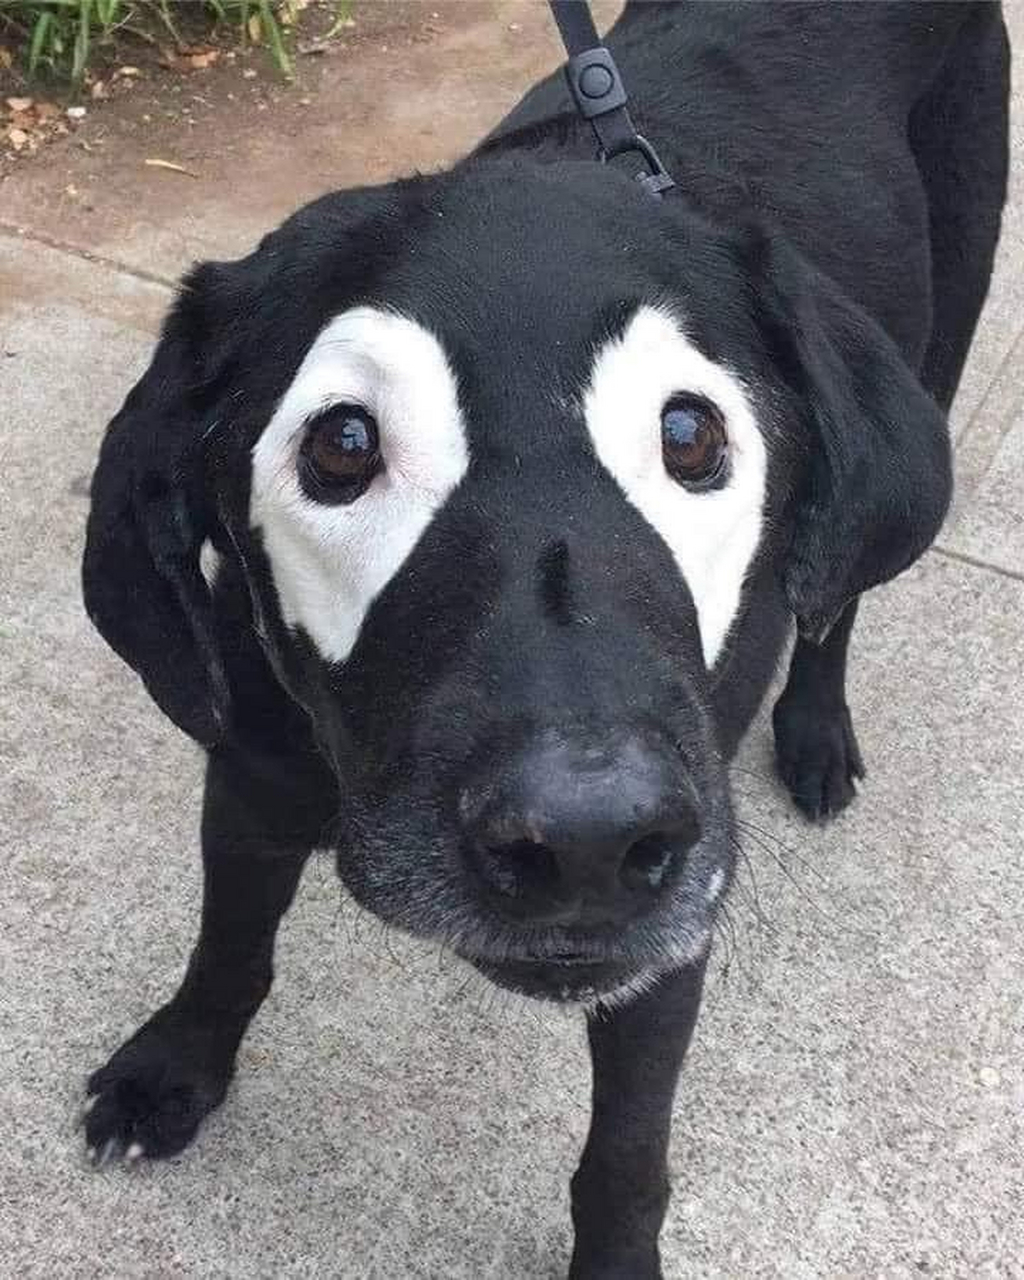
x=597 y=90
x=595 y=83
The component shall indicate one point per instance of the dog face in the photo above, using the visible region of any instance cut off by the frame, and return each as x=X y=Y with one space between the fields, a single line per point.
x=520 y=468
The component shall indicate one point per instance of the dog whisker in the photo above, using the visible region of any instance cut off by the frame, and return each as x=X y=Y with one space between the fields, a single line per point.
x=770 y=837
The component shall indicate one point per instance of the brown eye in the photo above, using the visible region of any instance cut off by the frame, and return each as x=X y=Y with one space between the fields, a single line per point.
x=340 y=454
x=693 y=441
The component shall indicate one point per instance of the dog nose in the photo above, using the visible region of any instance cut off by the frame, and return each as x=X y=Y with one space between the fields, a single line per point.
x=584 y=835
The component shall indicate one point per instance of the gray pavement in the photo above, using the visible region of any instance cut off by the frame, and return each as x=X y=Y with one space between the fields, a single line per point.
x=853 y=1103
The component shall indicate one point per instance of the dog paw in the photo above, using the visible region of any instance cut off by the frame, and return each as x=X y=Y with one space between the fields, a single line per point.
x=817 y=755
x=150 y=1098
x=629 y=1267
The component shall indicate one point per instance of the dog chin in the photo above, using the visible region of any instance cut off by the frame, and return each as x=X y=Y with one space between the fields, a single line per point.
x=567 y=982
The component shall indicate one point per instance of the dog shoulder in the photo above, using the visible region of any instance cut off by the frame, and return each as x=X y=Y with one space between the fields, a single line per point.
x=266 y=722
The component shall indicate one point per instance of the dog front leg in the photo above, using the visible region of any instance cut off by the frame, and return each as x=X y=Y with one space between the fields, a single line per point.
x=620 y=1191
x=151 y=1096
x=816 y=750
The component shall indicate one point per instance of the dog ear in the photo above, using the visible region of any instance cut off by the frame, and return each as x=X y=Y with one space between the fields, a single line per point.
x=149 y=516
x=879 y=478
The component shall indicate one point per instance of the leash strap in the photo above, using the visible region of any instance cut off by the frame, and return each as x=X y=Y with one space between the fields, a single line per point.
x=600 y=95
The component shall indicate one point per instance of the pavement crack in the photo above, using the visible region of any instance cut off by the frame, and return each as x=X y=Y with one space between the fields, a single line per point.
x=15 y=231
x=1015 y=575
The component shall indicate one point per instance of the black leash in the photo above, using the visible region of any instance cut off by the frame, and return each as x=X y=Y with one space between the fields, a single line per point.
x=600 y=95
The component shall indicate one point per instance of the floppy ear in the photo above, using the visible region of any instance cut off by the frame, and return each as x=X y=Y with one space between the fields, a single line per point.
x=140 y=575
x=879 y=478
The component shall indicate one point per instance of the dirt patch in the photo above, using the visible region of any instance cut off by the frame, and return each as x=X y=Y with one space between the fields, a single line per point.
x=150 y=90
x=412 y=87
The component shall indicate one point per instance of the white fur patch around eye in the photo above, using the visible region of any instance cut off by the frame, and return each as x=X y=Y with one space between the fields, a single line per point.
x=329 y=563
x=712 y=535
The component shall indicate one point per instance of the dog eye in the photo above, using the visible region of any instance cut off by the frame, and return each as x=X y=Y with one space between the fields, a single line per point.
x=693 y=440
x=340 y=454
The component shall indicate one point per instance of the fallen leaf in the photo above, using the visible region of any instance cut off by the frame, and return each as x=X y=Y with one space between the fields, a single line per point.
x=127 y=73
x=255 y=28
x=98 y=90
x=200 y=61
x=19 y=104
x=17 y=138
x=169 y=165
x=6 y=58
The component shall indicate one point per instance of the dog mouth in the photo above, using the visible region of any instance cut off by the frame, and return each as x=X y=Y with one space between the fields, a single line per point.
x=564 y=978
x=571 y=950
x=557 y=962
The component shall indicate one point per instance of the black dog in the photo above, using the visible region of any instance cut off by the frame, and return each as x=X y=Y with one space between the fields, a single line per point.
x=517 y=477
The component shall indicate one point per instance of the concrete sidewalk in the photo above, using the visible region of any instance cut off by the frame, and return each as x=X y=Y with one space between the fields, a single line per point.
x=853 y=1103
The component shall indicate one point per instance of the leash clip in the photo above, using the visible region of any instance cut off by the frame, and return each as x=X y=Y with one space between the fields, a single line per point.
x=657 y=178
x=600 y=96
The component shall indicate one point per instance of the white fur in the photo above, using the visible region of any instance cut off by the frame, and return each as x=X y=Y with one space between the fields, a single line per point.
x=715 y=886
x=330 y=562
x=209 y=563
x=713 y=535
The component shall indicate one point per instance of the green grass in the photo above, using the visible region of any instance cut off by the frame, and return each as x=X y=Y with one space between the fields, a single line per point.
x=60 y=37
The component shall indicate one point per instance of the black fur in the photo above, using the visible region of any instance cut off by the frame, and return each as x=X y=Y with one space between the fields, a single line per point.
x=841 y=171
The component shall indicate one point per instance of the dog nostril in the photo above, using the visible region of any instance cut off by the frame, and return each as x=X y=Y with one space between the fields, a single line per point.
x=518 y=869
x=647 y=862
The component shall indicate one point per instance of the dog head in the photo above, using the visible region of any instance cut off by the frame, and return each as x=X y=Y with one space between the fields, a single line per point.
x=523 y=472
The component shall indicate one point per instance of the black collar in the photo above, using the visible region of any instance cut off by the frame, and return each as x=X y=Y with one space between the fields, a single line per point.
x=600 y=95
